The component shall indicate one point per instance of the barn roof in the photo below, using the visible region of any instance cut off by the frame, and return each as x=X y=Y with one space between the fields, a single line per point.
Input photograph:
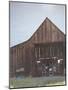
x=45 y=21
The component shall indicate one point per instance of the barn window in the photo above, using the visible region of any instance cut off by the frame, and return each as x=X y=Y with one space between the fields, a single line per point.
x=38 y=61
x=20 y=69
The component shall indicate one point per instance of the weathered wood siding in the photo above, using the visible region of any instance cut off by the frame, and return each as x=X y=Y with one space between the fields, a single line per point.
x=47 y=32
x=23 y=55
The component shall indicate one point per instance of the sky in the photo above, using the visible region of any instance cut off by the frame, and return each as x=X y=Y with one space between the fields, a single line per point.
x=25 y=18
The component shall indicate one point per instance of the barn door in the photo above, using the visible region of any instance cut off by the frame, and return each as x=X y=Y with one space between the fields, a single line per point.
x=42 y=64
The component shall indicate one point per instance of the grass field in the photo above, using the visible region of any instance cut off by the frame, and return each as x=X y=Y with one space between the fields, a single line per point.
x=36 y=81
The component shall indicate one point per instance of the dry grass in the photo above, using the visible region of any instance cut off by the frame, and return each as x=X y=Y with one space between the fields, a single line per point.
x=36 y=82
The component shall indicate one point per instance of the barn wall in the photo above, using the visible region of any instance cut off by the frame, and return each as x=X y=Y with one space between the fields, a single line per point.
x=23 y=55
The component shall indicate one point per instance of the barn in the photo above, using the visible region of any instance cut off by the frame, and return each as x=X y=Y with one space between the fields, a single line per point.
x=42 y=55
